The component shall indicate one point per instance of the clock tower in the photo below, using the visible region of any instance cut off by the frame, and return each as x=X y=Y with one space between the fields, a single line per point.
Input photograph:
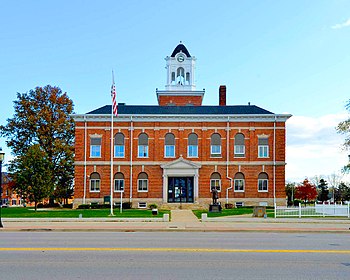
x=180 y=89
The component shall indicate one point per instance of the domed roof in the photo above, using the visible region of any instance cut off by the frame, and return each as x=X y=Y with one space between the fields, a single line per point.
x=180 y=48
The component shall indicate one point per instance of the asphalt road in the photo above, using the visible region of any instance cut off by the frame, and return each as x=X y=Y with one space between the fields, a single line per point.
x=173 y=255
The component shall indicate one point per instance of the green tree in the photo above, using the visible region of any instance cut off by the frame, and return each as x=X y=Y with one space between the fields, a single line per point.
x=290 y=192
x=32 y=174
x=43 y=117
x=344 y=128
x=323 y=191
x=342 y=193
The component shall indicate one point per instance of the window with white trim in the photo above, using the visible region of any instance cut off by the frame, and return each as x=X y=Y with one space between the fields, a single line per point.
x=215 y=181
x=119 y=148
x=263 y=182
x=142 y=182
x=119 y=182
x=215 y=145
x=192 y=148
x=239 y=182
x=239 y=147
x=143 y=146
x=169 y=147
x=95 y=182
x=263 y=147
x=95 y=147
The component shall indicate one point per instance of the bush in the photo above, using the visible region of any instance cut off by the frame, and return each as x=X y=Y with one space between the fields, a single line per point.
x=83 y=206
x=127 y=205
x=68 y=206
x=40 y=205
x=153 y=206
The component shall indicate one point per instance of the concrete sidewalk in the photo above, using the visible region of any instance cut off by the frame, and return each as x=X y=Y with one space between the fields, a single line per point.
x=181 y=220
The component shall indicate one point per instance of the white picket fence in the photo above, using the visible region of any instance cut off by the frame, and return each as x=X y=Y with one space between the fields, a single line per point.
x=318 y=210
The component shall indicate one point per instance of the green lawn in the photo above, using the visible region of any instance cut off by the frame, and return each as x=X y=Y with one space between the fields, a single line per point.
x=231 y=212
x=28 y=212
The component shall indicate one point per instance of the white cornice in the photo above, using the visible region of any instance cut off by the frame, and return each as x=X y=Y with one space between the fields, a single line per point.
x=183 y=118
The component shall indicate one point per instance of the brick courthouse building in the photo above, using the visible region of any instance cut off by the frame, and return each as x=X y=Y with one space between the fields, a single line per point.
x=175 y=152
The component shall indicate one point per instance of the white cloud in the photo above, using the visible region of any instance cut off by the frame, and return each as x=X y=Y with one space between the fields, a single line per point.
x=341 y=25
x=314 y=146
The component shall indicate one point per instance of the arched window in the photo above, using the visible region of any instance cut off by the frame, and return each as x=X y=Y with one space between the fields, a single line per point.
x=263 y=147
x=169 y=147
x=263 y=182
x=239 y=148
x=119 y=148
x=180 y=76
x=188 y=78
x=192 y=148
x=215 y=181
x=143 y=146
x=239 y=182
x=95 y=182
x=119 y=182
x=142 y=182
x=215 y=145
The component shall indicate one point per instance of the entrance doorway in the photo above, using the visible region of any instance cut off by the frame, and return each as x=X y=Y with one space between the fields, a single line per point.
x=180 y=189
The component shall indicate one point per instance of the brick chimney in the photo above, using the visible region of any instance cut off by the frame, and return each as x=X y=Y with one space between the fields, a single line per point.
x=222 y=96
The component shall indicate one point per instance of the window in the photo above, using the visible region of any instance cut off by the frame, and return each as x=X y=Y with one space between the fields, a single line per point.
x=142 y=182
x=95 y=182
x=119 y=148
x=239 y=182
x=263 y=148
x=95 y=146
x=187 y=78
x=215 y=145
x=119 y=182
x=215 y=181
x=180 y=76
x=263 y=181
x=143 y=146
x=192 y=148
x=239 y=148
x=169 y=148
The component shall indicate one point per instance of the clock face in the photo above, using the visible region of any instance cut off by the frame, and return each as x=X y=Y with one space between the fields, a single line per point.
x=180 y=58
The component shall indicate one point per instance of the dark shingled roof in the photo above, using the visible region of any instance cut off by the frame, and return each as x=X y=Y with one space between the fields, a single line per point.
x=182 y=110
x=182 y=48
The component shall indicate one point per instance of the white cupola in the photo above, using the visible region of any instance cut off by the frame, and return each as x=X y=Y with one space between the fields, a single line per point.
x=180 y=89
x=180 y=70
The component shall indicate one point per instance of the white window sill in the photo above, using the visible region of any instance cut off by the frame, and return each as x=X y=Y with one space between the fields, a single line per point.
x=239 y=191
x=142 y=191
x=94 y=191
x=263 y=191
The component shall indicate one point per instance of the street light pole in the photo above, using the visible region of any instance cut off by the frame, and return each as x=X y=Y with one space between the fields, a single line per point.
x=2 y=156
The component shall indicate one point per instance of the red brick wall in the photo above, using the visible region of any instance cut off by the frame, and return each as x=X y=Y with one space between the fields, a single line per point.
x=179 y=100
x=250 y=165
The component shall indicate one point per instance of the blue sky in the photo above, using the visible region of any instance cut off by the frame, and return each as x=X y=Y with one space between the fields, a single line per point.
x=285 y=56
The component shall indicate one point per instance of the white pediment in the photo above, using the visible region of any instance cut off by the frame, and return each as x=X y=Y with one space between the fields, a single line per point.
x=181 y=163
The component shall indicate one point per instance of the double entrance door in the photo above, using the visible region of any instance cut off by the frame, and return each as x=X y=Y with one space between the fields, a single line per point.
x=180 y=189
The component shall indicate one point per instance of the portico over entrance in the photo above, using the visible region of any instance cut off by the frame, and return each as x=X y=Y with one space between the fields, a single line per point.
x=180 y=181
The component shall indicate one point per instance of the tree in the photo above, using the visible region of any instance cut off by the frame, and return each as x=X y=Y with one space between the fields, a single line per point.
x=290 y=190
x=323 y=191
x=342 y=193
x=344 y=128
x=42 y=118
x=32 y=174
x=306 y=191
x=334 y=180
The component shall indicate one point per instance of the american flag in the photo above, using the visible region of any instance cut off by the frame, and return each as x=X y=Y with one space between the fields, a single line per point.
x=114 y=100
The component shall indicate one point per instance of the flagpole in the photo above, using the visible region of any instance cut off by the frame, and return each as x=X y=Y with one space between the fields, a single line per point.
x=112 y=152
